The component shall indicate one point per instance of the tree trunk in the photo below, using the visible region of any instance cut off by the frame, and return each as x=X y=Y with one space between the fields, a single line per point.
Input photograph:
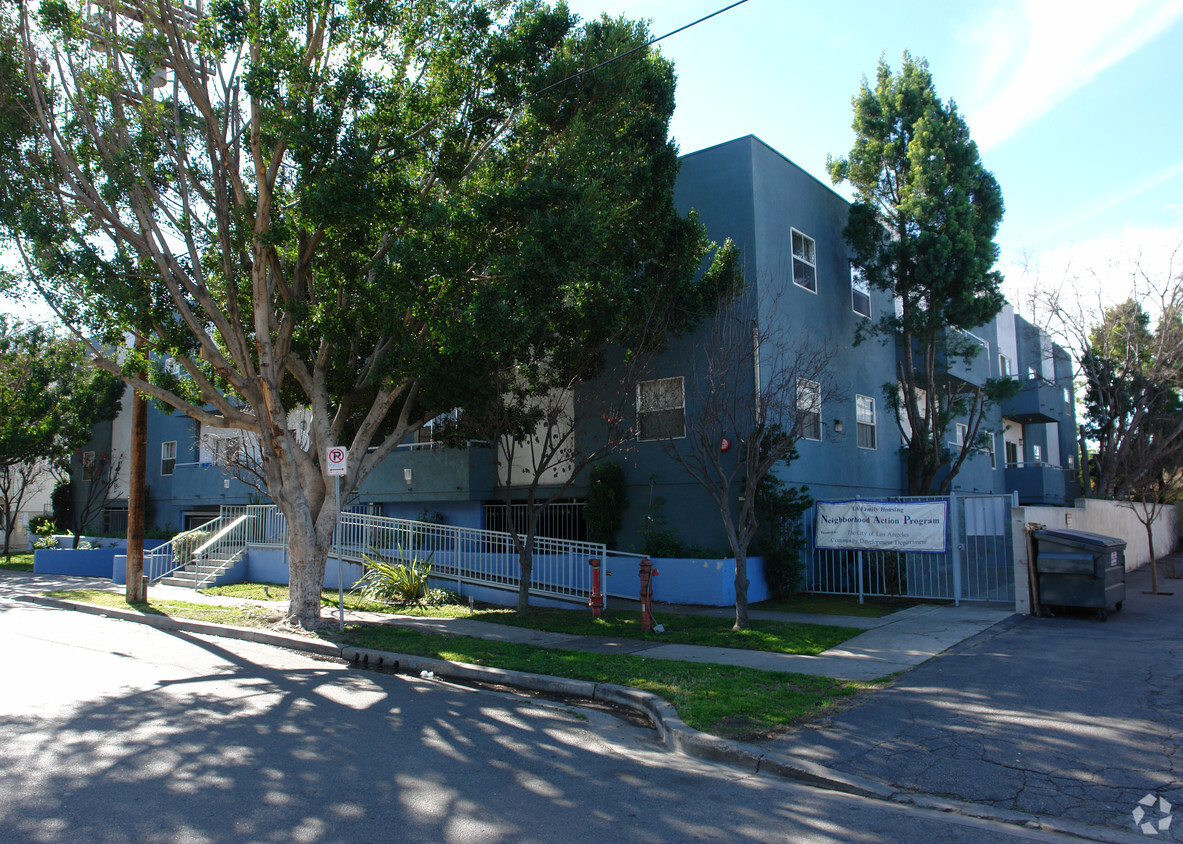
x=526 y=563
x=741 y=590
x=307 y=555
x=135 y=590
x=1153 y=563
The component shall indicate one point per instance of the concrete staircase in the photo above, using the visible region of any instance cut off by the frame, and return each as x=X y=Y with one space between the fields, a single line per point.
x=205 y=572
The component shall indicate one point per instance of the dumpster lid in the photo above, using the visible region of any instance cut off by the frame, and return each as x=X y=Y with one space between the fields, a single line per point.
x=1082 y=538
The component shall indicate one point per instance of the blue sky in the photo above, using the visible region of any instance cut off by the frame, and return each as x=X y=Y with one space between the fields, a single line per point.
x=1077 y=105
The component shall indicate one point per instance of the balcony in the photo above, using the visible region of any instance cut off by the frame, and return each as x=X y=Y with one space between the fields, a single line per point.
x=430 y=472
x=977 y=369
x=1038 y=401
x=1038 y=483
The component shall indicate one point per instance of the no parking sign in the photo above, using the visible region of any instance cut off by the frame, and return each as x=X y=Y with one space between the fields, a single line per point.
x=335 y=460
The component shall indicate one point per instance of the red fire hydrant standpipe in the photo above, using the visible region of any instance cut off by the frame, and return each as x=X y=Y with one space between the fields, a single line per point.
x=596 y=601
x=647 y=575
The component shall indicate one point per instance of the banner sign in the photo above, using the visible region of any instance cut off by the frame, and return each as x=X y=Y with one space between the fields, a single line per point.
x=882 y=525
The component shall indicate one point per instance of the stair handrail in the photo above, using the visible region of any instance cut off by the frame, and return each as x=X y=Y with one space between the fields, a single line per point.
x=210 y=543
x=197 y=552
x=169 y=549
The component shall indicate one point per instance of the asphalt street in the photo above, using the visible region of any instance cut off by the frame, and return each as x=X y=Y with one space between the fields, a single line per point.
x=1065 y=717
x=113 y=732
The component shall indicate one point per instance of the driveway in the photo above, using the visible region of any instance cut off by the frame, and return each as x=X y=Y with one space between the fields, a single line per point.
x=1064 y=716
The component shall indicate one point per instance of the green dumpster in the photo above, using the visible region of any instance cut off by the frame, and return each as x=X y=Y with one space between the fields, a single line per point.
x=1080 y=569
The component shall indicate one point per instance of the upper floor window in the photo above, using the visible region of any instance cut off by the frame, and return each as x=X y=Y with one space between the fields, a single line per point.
x=860 y=292
x=168 y=457
x=864 y=412
x=809 y=408
x=1004 y=366
x=661 y=409
x=962 y=430
x=1037 y=453
x=804 y=261
x=1067 y=400
x=88 y=464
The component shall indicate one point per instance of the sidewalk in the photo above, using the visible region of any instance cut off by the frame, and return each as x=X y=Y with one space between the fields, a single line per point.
x=891 y=644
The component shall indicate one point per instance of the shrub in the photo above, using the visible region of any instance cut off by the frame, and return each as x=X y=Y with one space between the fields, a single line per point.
x=605 y=503
x=402 y=582
x=186 y=543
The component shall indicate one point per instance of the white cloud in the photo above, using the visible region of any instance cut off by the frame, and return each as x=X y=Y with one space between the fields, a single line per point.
x=1103 y=204
x=1102 y=271
x=1054 y=47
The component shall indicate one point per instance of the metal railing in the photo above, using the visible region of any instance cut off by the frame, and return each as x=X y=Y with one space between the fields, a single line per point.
x=461 y=555
x=175 y=554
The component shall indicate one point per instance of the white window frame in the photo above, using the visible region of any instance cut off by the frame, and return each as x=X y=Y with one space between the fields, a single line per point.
x=809 y=404
x=642 y=410
x=1004 y=366
x=860 y=425
x=168 y=461
x=807 y=258
x=88 y=465
x=990 y=447
x=960 y=432
x=1036 y=453
x=859 y=286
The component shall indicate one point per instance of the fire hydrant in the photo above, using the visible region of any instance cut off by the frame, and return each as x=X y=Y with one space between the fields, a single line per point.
x=647 y=575
x=596 y=602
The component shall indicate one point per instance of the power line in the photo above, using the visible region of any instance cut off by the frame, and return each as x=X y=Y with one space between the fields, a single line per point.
x=648 y=43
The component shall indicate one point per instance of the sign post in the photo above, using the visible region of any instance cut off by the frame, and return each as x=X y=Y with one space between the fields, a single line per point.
x=336 y=462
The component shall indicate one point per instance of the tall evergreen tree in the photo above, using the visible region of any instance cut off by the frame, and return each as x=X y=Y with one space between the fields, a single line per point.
x=922 y=228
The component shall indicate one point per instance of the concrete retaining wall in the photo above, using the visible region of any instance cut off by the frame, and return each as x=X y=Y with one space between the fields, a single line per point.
x=1107 y=518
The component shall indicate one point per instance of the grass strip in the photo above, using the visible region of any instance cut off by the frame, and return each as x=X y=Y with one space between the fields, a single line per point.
x=741 y=703
x=837 y=605
x=710 y=631
x=241 y=616
x=17 y=562
x=680 y=629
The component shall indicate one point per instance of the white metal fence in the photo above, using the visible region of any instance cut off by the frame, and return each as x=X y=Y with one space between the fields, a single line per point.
x=978 y=566
x=561 y=568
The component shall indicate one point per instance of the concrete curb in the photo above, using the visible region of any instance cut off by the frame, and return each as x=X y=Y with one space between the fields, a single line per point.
x=674 y=732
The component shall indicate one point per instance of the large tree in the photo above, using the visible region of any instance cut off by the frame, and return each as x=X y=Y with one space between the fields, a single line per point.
x=922 y=227
x=354 y=210
x=1133 y=379
x=50 y=396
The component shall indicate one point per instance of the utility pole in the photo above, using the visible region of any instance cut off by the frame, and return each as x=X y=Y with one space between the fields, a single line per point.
x=136 y=590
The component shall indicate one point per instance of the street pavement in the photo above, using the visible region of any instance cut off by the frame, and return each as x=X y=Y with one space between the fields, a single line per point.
x=118 y=732
x=1065 y=716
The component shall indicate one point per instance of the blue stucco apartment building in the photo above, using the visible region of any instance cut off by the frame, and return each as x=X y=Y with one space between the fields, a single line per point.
x=788 y=227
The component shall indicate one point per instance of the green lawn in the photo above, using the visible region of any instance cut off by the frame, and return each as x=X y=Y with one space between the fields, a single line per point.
x=711 y=631
x=838 y=605
x=740 y=703
x=17 y=562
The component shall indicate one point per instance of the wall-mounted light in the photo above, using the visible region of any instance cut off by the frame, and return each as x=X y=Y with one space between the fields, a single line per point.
x=837 y=426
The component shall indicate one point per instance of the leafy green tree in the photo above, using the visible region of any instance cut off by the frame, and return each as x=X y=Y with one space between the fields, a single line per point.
x=1133 y=379
x=922 y=227
x=355 y=211
x=51 y=397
